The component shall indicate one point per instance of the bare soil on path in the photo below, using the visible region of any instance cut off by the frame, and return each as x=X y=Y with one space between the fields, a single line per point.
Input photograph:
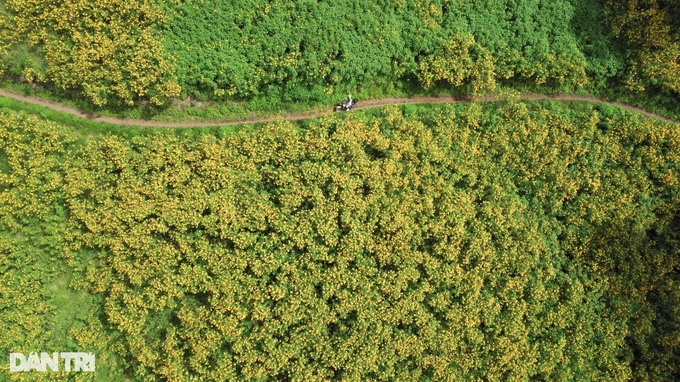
x=363 y=104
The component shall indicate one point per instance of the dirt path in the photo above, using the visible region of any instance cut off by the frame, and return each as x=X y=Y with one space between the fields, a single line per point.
x=367 y=104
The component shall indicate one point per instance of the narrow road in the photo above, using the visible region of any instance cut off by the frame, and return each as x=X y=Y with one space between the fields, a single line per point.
x=367 y=104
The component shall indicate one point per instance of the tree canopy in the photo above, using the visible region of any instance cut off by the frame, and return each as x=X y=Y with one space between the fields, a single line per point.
x=127 y=51
x=498 y=242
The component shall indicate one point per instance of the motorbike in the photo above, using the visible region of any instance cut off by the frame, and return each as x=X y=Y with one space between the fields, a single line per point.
x=346 y=105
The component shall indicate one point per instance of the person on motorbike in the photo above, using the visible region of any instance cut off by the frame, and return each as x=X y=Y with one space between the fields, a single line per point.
x=346 y=104
x=349 y=102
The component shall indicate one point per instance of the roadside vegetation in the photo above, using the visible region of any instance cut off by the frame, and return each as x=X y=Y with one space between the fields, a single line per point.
x=506 y=240
x=264 y=56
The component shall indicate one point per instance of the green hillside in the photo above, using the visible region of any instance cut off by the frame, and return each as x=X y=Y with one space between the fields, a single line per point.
x=482 y=239
x=269 y=54
x=508 y=241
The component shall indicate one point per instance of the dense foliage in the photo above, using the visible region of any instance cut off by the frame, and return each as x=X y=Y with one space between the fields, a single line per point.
x=38 y=311
x=420 y=244
x=650 y=30
x=298 y=50
x=123 y=50
x=272 y=50
x=28 y=180
x=106 y=49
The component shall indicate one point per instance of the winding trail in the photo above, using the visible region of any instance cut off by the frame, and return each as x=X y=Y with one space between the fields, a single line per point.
x=367 y=104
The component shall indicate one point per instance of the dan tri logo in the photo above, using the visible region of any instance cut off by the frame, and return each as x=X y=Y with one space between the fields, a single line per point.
x=71 y=361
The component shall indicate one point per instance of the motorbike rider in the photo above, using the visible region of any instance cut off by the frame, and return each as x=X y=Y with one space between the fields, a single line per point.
x=346 y=104
x=349 y=102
